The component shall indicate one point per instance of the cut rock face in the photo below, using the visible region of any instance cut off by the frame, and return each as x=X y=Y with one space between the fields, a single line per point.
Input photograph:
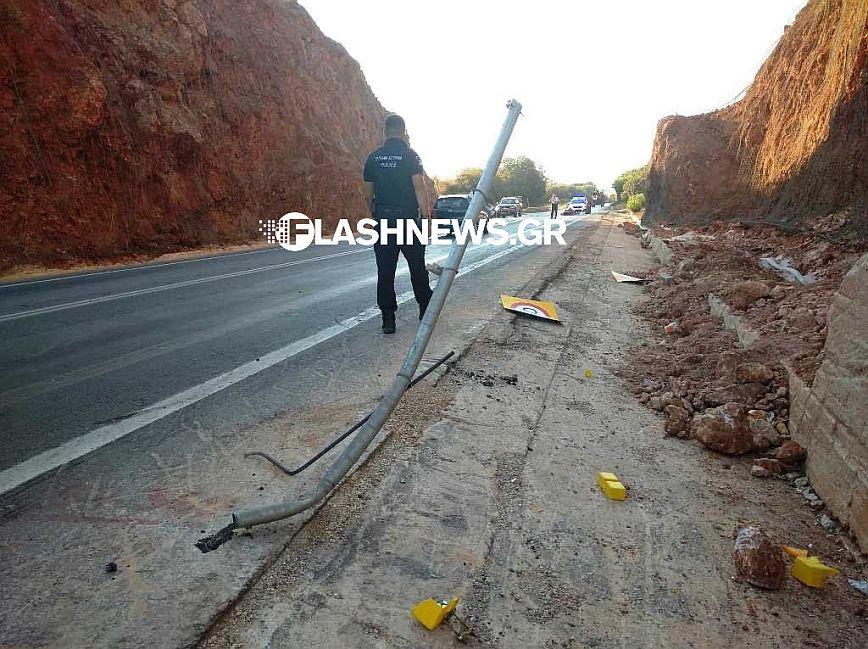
x=724 y=429
x=758 y=560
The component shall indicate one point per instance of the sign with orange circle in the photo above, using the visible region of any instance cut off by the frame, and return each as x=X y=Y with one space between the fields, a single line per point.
x=536 y=308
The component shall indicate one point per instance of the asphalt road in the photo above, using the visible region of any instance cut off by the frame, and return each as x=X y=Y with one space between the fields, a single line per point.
x=88 y=359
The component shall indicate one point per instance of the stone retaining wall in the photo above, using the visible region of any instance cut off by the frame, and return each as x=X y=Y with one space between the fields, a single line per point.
x=830 y=418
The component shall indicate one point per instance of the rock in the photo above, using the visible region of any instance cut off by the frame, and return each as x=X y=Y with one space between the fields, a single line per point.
x=764 y=433
x=791 y=452
x=753 y=373
x=726 y=364
x=827 y=523
x=810 y=495
x=724 y=429
x=656 y=403
x=644 y=397
x=816 y=504
x=677 y=421
x=800 y=482
x=778 y=293
x=757 y=560
x=278 y=118
x=759 y=472
x=757 y=414
x=802 y=319
x=770 y=464
x=745 y=293
x=687 y=265
x=782 y=429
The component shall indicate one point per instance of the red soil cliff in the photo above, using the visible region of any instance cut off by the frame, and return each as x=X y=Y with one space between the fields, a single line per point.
x=142 y=126
x=793 y=151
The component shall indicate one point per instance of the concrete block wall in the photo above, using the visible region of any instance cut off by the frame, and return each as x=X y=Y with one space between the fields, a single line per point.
x=830 y=418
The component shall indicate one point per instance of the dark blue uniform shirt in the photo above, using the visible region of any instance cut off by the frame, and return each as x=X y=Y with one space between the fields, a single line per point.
x=391 y=169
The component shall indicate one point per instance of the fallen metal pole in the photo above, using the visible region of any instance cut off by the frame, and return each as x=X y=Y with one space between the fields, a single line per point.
x=367 y=433
x=343 y=436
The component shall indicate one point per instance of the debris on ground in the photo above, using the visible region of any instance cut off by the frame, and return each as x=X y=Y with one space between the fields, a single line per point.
x=526 y=306
x=795 y=552
x=430 y=612
x=861 y=585
x=757 y=559
x=434 y=268
x=812 y=572
x=620 y=277
x=611 y=486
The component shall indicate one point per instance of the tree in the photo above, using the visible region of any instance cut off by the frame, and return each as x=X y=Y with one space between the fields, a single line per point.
x=516 y=177
x=464 y=182
x=631 y=182
x=521 y=176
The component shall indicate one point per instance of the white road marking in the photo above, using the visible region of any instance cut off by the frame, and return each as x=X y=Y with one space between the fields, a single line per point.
x=99 y=437
x=126 y=269
x=166 y=287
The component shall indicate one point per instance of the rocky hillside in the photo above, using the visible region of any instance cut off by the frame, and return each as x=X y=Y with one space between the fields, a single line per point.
x=142 y=126
x=793 y=151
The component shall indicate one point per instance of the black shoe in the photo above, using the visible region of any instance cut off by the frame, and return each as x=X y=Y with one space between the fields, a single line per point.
x=388 y=322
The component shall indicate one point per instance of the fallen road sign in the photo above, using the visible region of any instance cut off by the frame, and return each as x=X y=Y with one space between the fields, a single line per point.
x=537 y=308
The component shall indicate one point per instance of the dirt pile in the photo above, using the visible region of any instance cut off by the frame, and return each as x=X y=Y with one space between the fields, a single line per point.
x=793 y=151
x=729 y=387
x=148 y=127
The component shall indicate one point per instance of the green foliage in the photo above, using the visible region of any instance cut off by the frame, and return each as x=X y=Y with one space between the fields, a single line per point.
x=465 y=181
x=516 y=177
x=520 y=177
x=631 y=182
x=636 y=202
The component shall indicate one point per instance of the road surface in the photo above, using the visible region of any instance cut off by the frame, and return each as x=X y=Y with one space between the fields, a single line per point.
x=89 y=353
x=129 y=396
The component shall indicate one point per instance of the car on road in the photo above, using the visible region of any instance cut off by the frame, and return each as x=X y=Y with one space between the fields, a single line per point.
x=454 y=206
x=579 y=204
x=508 y=206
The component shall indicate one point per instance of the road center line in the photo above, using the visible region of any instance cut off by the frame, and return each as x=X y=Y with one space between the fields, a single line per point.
x=99 y=437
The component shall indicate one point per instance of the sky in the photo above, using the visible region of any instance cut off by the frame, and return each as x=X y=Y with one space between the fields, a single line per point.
x=593 y=76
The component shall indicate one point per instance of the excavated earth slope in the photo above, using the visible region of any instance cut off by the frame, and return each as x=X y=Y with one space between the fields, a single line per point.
x=793 y=151
x=141 y=126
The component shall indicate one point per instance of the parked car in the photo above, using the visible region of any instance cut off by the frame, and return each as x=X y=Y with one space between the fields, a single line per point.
x=509 y=206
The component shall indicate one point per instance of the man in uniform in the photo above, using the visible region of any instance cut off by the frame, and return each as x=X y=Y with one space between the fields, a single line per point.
x=555 y=200
x=396 y=189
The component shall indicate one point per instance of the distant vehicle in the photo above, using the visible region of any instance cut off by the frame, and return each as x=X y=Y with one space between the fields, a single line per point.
x=454 y=206
x=579 y=204
x=509 y=206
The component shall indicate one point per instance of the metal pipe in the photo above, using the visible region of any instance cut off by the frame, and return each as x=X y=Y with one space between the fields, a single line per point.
x=367 y=433
x=346 y=434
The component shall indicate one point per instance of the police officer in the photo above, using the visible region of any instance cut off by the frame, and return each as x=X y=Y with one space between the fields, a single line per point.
x=396 y=189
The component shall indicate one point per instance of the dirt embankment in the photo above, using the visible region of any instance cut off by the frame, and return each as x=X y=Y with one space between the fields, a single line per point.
x=150 y=127
x=793 y=151
x=734 y=341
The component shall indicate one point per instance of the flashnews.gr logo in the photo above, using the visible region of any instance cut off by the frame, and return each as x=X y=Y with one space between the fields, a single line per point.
x=296 y=231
